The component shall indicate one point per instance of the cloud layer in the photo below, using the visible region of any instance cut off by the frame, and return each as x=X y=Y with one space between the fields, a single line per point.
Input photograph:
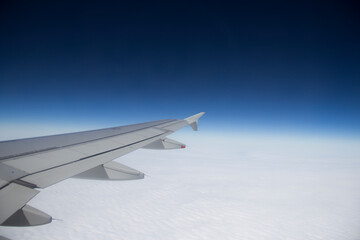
x=220 y=187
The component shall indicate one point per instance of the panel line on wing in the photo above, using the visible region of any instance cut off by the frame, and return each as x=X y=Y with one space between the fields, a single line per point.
x=94 y=155
x=74 y=144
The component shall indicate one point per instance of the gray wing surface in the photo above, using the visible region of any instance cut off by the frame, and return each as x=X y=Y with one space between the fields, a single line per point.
x=29 y=164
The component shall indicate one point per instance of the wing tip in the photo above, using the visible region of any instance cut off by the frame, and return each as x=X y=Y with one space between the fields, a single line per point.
x=193 y=120
x=194 y=117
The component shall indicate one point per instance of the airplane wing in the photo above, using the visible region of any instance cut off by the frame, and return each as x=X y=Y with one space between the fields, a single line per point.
x=32 y=163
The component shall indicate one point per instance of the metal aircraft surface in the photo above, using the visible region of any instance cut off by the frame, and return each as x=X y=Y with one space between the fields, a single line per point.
x=32 y=163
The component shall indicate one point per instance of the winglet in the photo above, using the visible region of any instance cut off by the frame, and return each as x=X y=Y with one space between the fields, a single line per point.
x=193 y=120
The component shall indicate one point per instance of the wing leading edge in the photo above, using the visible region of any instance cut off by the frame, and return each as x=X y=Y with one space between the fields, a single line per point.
x=29 y=164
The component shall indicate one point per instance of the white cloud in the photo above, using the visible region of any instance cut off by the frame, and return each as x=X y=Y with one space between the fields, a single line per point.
x=220 y=187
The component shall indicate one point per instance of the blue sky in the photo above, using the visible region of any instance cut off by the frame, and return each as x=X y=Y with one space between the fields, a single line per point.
x=279 y=67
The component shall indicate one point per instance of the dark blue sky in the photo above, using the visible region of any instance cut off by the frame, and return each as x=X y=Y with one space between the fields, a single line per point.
x=265 y=64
